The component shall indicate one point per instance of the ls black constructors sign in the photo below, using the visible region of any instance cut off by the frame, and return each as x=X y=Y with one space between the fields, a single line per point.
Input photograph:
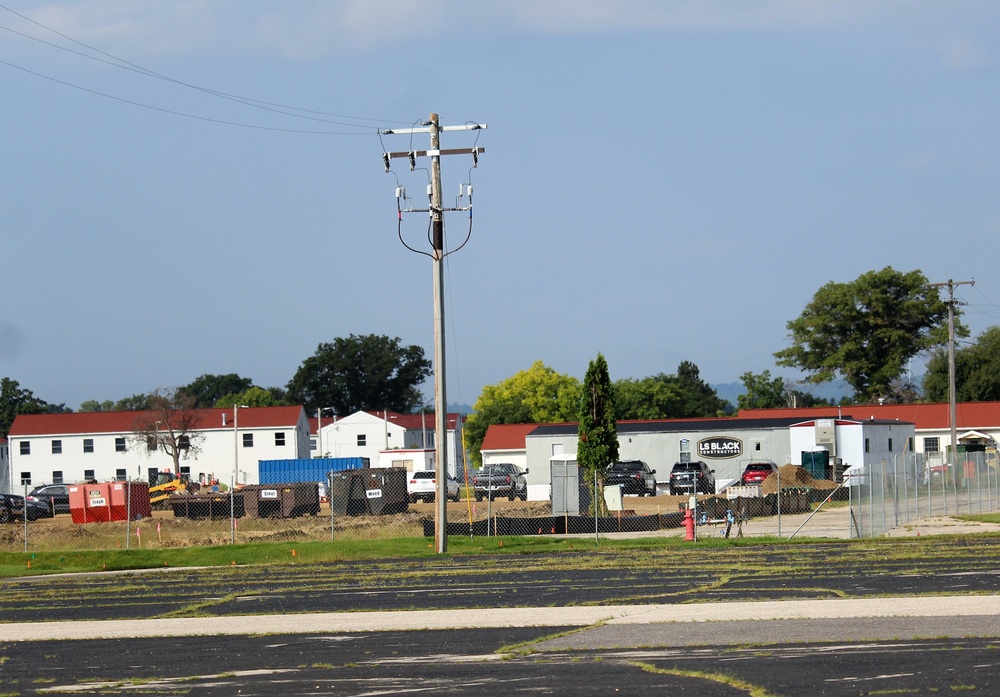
x=720 y=447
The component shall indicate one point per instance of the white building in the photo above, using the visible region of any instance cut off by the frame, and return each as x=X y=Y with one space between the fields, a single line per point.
x=67 y=448
x=727 y=445
x=369 y=433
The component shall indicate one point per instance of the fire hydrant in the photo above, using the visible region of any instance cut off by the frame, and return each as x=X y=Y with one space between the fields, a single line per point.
x=689 y=525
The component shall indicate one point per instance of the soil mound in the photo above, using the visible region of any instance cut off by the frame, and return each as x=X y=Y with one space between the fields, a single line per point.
x=794 y=476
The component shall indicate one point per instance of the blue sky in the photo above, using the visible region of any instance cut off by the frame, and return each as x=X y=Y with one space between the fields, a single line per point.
x=663 y=181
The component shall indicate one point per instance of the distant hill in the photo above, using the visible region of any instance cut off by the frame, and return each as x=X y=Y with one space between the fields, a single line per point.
x=834 y=391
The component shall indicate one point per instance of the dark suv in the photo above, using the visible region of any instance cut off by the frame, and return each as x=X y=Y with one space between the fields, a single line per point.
x=692 y=478
x=634 y=476
x=55 y=496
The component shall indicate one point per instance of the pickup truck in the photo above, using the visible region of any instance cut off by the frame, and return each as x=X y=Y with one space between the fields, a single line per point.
x=501 y=479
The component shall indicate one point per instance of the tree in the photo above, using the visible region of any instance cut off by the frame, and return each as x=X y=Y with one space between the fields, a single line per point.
x=598 y=430
x=536 y=395
x=662 y=396
x=205 y=391
x=361 y=372
x=655 y=397
x=762 y=392
x=170 y=424
x=253 y=397
x=137 y=402
x=92 y=405
x=866 y=330
x=977 y=371
x=14 y=400
x=698 y=398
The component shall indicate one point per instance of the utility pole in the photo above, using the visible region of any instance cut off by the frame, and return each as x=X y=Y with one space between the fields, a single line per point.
x=437 y=253
x=951 y=367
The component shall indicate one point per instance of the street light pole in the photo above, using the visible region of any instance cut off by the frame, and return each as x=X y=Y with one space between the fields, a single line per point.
x=236 y=442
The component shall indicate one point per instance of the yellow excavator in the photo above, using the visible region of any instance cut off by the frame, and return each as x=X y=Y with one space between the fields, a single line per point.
x=166 y=484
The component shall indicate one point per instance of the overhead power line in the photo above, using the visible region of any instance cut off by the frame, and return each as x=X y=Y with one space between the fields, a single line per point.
x=120 y=63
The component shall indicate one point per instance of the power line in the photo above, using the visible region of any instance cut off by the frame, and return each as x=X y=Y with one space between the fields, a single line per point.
x=114 y=61
x=173 y=111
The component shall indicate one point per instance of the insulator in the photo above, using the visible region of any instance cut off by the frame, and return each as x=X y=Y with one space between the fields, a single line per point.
x=469 y=190
x=430 y=191
x=399 y=192
x=460 y=189
x=385 y=160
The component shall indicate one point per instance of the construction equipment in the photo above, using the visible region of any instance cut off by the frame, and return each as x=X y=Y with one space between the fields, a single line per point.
x=166 y=483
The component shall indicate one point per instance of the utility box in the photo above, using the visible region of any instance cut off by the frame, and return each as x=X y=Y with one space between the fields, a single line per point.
x=289 y=500
x=569 y=494
x=817 y=463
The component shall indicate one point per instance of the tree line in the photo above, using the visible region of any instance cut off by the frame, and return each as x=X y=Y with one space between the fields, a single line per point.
x=863 y=331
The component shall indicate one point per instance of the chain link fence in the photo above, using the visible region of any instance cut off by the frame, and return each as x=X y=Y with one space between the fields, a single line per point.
x=890 y=494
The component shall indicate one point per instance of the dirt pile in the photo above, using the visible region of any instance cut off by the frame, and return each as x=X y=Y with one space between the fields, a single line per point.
x=794 y=476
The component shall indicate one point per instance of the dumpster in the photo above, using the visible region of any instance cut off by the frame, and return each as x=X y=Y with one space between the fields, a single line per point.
x=371 y=491
x=289 y=500
x=90 y=503
x=130 y=500
x=212 y=504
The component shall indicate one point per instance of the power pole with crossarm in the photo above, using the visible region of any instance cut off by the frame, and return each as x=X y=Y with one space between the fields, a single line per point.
x=437 y=253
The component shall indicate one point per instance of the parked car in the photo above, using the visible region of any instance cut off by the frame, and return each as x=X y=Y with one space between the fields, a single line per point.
x=15 y=508
x=692 y=478
x=423 y=485
x=55 y=496
x=634 y=476
x=757 y=472
x=500 y=479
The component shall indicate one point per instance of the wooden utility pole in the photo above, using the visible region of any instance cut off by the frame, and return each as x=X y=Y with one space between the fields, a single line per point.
x=437 y=254
x=951 y=370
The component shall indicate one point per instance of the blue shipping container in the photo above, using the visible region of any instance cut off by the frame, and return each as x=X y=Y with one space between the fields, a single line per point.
x=306 y=470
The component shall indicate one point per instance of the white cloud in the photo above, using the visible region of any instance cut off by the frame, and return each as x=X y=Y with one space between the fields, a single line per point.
x=314 y=28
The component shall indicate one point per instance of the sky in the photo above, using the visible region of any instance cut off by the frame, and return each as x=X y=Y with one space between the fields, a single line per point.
x=197 y=186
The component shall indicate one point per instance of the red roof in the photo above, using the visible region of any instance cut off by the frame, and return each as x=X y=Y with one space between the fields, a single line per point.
x=507 y=436
x=922 y=416
x=411 y=422
x=124 y=421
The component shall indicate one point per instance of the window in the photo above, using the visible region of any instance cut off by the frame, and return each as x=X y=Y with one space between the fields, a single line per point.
x=89 y=475
x=26 y=447
x=312 y=443
x=890 y=445
x=279 y=438
x=362 y=440
x=186 y=471
x=247 y=440
x=867 y=446
x=184 y=442
x=88 y=445
x=57 y=477
x=685 y=452
x=909 y=444
x=57 y=447
x=150 y=443
x=120 y=444
x=932 y=445
x=26 y=478
x=120 y=475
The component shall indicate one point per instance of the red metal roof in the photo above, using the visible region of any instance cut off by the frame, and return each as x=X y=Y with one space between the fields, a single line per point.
x=922 y=416
x=507 y=436
x=124 y=421
x=411 y=422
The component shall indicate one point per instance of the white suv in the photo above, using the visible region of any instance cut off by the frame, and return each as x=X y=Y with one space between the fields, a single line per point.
x=423 y=485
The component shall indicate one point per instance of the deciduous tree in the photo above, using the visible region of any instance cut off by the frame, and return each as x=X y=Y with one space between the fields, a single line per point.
x=361 y=372
x=169 y=425
x=977 y=371
x=866 y=330
x=536 y=395
x=206 y=390
x=15 y=400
